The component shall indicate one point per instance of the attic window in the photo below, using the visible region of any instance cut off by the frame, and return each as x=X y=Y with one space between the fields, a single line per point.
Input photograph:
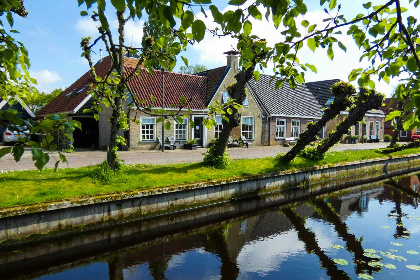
x=77 y=91
x=225 y=97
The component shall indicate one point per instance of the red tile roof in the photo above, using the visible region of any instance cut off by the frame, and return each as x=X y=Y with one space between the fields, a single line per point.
x=143 y=86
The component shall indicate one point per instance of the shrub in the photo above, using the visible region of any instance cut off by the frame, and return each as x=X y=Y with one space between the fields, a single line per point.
x=387 y=138
x=311 y=153
x=211 y=160
x=285 y=144
x=104 y=174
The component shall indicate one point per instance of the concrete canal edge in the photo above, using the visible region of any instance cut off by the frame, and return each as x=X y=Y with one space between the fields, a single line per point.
x=38 y=221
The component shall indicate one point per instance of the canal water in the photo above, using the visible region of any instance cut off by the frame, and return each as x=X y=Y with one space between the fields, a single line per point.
x=366 y=232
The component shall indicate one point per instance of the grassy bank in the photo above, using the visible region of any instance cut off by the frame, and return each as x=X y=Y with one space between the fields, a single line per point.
x=31 y=187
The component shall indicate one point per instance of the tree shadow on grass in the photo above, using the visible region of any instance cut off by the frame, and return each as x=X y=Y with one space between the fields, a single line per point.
x=163 y=169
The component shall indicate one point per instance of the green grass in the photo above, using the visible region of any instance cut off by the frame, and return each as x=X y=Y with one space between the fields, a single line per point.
x=31 y=187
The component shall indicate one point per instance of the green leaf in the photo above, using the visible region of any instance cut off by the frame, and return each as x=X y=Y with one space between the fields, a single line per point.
x=247 y=28
x=255 y=13
x=312 y=67
x=42 y=160
x=305 y=23
x=412 y=252
x=236 y=2
x=396 y=244
x=311 y=44
x=365 y=276
x=167 y=125
x=256 y=75
x=341 y=261
x=83 y=13
x=411 y=64
x=367 y=5
x=333 y=4
x=35 y=153
x=5 y=151
x=62 y=157
x=101 y=4
x=311 y=28
x=17 y=152
x=103 y=20
x=198 y=30
x=118 y=4
x=330 y=52
x=342 y=46
x=413 y=267
x=217 y=15
x=338 y=247
x=185 y=60
x=390 y=266
x=372 y=251
x=56 y=165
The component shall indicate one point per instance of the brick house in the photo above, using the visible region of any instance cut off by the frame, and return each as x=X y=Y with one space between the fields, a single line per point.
x=268 y=116
x=390 y=104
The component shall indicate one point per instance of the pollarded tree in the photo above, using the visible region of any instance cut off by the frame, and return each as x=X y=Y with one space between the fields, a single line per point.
x=343 y=99
x=112 y=89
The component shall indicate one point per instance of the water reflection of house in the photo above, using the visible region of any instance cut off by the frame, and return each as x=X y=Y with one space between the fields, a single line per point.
x=225 y=240
x=407 y=186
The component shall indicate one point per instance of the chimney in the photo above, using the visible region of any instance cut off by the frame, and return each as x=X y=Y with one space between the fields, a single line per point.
x=100 y=55
x=232 y=59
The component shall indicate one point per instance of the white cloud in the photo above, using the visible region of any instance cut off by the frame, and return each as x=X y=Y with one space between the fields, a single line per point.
x=46 y=79
x=86 y=26
x=134 y=32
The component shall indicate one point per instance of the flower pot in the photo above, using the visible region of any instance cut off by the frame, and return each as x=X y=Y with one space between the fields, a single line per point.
x=189 y=146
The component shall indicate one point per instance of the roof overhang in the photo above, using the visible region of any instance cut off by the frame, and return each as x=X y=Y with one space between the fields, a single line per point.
x=293 y=116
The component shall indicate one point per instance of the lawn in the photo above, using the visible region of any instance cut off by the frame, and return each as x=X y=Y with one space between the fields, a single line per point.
x=32 y=186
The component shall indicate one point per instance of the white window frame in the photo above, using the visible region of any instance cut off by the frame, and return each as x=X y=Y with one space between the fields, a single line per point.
x=246 y=101
x=359 y=130
x=253 y=127
x=225 y=97
x=371 y=125
x=218 y=129
x=403 y=133
x=284 y=128
x=323 y=133
x=292 y=126
x=154 y=129
x=378 y=128
x=185 y=120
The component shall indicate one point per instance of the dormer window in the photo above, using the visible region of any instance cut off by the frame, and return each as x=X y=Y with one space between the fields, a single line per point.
x=225 y=97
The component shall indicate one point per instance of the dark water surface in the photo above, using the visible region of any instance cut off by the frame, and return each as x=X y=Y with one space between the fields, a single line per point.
x=335 y=236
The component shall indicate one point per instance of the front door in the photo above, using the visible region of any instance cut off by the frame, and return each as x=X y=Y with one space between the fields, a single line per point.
x=198 y=130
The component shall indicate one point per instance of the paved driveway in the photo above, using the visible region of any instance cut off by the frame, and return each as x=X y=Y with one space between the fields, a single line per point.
x=83 y=158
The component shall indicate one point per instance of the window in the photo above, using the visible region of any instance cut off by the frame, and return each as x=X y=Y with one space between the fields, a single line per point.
x=147 y=132
x=295 y=128
x=321 y=133
x=225 y=97
x=280 y=128
x=218 y=127
x=378 y=127
x=371 y=128
x=364 y=129
x=248 y=127
x=181 y=130
x=245 y=103
x=357 y=129
x=403 y=133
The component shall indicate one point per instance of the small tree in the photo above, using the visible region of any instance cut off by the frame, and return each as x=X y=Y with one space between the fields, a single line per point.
x=192 y=69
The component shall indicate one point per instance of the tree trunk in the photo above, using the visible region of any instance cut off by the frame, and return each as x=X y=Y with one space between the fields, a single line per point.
x=356 y=114
x=238 y=94
x=398 y=126
x=342 y=100
x=112 y=155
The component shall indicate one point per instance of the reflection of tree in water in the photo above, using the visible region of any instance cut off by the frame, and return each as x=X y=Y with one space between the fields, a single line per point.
x=158 y=269
x=311 y=245
x=353 y=244
x=115 y=268
x=397 y=213
x=217 y=244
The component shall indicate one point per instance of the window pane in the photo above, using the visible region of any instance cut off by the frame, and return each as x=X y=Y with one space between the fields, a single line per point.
x=181 y=130
x=248 y=127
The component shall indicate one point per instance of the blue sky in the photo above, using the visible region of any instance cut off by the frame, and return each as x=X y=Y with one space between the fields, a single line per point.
x=53 y=30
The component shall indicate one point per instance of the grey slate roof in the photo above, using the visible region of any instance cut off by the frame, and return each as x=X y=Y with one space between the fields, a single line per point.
x=300 y=102
x=321 y=90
